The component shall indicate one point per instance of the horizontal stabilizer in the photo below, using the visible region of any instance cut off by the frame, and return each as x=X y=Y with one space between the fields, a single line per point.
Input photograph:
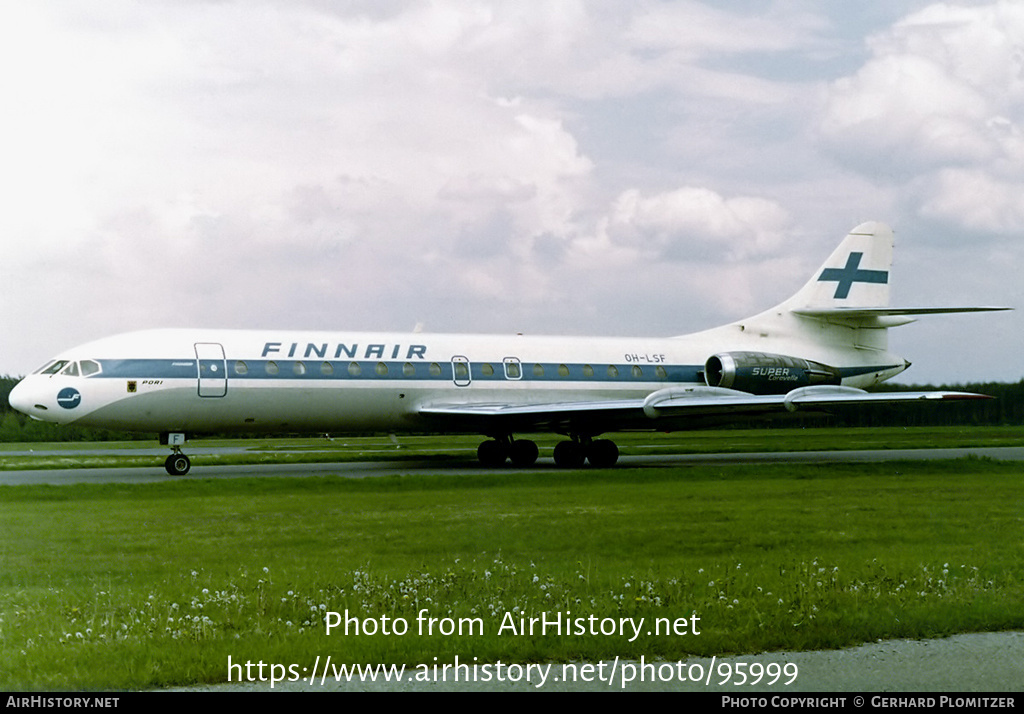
x=889 y=311
x=882 y=316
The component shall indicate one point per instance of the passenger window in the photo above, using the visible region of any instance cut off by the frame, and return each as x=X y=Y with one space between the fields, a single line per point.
x=435 y=369
x=563 y=371
x=660 y=371
x=299 y=369
x=487 y=370
x=241 y=367
x=354 y=369
x=382 y=369
x=327 y=369
x=512 y=370
x=272 y=368
x=408 y=369
x=613 y=371
x=637 y=371
x=588 y=371
x=538 y=370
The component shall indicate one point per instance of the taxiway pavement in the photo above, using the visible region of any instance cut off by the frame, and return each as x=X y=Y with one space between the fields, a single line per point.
x=365 y=469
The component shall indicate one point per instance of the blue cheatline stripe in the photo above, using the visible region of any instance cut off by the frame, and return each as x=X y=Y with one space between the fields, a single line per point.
x=369 y=370
x=148 y=368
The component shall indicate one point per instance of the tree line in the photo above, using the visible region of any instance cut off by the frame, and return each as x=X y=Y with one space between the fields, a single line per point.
x=1007 y=409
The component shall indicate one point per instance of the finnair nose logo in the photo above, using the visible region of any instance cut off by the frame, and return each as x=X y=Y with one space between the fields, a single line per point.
x=69 y=398
x=852 y=273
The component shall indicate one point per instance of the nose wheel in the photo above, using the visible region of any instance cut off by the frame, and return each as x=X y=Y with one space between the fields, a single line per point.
x=177 y=464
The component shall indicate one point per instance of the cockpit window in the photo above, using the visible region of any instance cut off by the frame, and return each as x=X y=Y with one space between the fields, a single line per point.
x=90 y=367
x=69 y=368
x=53 y=367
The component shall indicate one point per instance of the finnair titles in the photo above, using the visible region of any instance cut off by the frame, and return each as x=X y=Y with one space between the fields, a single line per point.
x=340 y=350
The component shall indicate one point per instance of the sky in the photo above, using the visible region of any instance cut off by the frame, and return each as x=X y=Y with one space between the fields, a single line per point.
x=584 y=168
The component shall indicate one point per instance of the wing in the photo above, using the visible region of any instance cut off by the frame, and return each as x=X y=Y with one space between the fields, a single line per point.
x=666 y=409
x=593 y=417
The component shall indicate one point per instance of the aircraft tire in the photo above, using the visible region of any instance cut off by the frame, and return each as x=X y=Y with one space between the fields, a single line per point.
x=603 y=454
x=523 y=453
x=491 y=453
x=177 y=464
x=569 y=455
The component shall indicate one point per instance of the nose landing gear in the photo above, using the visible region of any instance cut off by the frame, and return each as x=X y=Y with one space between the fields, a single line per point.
x=177 y=464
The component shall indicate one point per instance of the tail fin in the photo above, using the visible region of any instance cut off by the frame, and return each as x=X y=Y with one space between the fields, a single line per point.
x=839 y=318
x=848 y=297
x=855 y=275
x=852 y=287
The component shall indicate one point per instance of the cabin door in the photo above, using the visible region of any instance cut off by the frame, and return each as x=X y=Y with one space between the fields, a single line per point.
x=460 y=371
x=212 y=369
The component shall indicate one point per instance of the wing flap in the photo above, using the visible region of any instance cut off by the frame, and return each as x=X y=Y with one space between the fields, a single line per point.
x=562 y=417
x=541 y=409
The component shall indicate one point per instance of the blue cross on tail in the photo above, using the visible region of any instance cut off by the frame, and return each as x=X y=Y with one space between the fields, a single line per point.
x=851 y=274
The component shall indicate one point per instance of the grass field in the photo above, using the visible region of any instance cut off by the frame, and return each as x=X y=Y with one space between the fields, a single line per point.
x=140 y=586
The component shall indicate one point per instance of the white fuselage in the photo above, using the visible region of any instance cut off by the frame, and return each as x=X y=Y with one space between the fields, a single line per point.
x=222 y=381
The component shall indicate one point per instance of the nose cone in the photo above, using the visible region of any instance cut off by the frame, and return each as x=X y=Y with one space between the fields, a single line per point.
x=17 y=398
x=23 y=399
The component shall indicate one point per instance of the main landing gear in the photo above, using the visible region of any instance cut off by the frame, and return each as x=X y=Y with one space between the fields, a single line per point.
x=601 y=453
x=177 y=464
x=572 y=454
x=495 y=452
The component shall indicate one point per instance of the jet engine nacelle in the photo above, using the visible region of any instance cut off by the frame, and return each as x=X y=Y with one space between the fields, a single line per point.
x=763 y=373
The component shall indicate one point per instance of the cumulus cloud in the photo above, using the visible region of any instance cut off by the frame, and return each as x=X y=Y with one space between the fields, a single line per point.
x=909 y=112
x=976 y=200
x=693 y=223
x=700 y=30
x=939 y=106
x=502 y=164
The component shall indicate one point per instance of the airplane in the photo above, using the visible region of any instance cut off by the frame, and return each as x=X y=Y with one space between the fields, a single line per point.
x=816 y=351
